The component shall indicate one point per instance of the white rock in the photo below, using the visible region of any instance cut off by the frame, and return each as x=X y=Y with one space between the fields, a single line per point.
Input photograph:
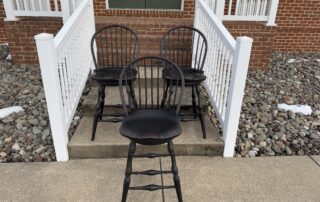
x=9 y=57
x=263 y=144
x=291 y=60
x=3 y=154
x=252 y=153
x=303 y=109
x=316 y=123
x=8 y=139
x=9 y=110
x=41 y=149
x=250 y=135
x=316 y=113
x=16 y=147
x=22 y=152
x=76 y=118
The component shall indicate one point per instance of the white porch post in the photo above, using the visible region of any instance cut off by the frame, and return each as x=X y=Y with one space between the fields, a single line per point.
x=238 y=80
x=9 y=7
x=220 y=5
x=272 y=12
x=66 y=10
x=50 y=78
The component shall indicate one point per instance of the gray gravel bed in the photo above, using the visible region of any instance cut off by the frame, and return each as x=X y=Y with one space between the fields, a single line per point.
x=267 y=131
x=264 y=130
x=26 y=136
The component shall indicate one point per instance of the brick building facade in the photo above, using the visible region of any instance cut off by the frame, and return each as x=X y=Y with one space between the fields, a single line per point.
x=297 y=30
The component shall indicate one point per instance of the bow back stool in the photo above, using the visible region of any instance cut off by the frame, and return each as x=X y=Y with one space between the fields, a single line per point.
x=113 y=47
x=187 y=47
x=147 y=121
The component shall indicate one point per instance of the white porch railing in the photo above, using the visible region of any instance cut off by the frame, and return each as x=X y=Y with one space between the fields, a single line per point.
x=65 y=62
x=39 y=8
x=245 y=10
x=226 y=70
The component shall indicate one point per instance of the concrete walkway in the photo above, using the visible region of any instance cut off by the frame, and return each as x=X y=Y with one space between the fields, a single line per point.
x=203 y=179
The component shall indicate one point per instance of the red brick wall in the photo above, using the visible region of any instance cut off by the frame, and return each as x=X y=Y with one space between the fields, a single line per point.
x=298 y=26
x=297 y=30
x=149 y=25
x=20 y=35
x=2 y=32
x=262 y=40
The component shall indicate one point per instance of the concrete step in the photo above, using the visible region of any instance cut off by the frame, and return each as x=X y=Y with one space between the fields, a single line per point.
x=110 y=144
x=113 y=101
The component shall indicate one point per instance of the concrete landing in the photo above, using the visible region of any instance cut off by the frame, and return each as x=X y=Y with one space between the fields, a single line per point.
x=110 y=144
x=113 y=99
x=203 y=179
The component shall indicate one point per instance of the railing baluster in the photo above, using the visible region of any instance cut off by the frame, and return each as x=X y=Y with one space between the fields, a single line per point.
x=264 y=7
x=56 y=8
x=32 y=5
x=222 y=81
x=258 y=5
x=251 y=7
x=230 y=7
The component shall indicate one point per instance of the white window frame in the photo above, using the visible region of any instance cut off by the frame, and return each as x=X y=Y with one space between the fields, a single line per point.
x=181 y=9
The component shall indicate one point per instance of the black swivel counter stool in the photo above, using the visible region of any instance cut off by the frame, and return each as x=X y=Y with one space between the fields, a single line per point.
x=147 y=120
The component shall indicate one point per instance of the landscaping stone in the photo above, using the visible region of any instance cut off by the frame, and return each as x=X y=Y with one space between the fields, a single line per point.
x=290 y=79
x=26 y=136
x=20 y=86
x=15 y=147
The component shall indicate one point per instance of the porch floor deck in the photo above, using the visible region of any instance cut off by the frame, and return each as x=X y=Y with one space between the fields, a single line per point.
x=110 y=144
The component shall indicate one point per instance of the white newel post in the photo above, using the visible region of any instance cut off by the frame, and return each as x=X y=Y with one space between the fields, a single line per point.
x=50 y=78
x=238 y=80
x=9 y=7
x=66 y=10
x=220 y=5
x=272 y=12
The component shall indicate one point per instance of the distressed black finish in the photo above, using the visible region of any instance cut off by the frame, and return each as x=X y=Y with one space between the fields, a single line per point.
x=187 y=47
x=112 y=48
x=152 y=105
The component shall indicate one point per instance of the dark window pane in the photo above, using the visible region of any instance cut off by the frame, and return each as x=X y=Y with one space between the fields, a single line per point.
x=146 y=4
x=163 y=4
x=127 y=4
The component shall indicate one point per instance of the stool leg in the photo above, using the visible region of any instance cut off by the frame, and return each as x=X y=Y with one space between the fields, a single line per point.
x=174 y=169
x=163 y=102
x=132 y=96
x=203 y=126
x=194 y=103
x=97 y=113
x=103 y=96
x=127 y=179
